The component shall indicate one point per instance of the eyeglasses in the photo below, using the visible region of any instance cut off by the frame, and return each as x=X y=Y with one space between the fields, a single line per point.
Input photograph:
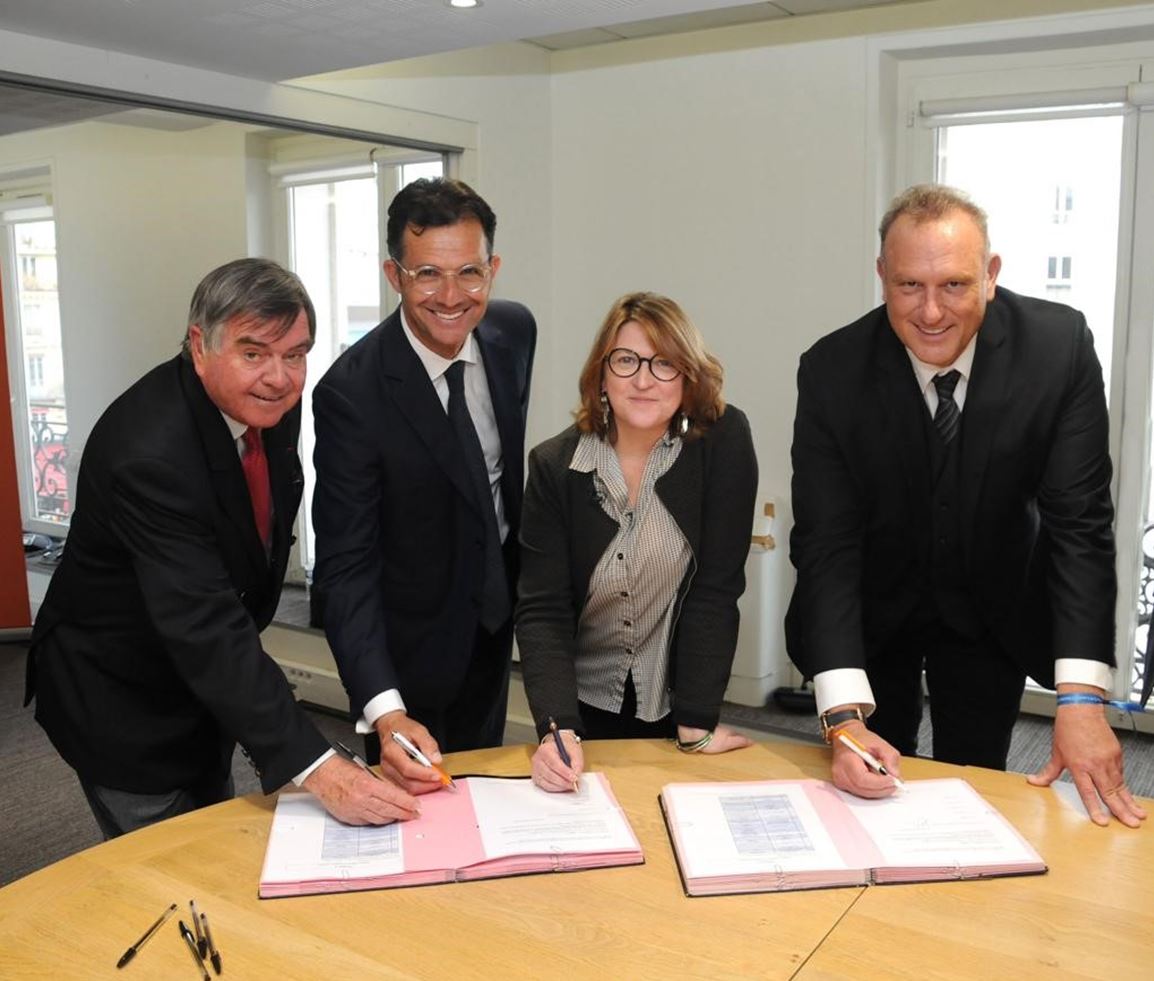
x=625 y=364
x=430 y=279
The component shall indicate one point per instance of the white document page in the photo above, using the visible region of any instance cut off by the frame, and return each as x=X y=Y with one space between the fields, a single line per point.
x=746 y=828
x=938 y=823
x=306 y=843
x=516 y=817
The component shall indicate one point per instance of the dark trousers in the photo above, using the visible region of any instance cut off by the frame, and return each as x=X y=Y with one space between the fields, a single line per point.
x=599 y=724
x=975 y=691
x=475 y=718
x=120 y=811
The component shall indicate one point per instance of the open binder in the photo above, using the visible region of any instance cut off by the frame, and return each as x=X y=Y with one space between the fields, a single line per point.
x=488 y=827
x=773 y=835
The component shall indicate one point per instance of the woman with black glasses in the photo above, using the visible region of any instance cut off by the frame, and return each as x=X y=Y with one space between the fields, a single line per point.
x=634 y=536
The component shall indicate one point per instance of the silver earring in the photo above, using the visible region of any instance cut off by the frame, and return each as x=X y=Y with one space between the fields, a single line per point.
x=681 y=426
x=606 y=410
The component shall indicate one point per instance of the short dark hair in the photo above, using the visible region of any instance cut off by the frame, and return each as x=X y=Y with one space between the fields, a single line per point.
x=258 y=288
x=433 y=202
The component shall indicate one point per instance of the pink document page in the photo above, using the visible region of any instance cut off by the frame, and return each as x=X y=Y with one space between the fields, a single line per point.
x=487 y=827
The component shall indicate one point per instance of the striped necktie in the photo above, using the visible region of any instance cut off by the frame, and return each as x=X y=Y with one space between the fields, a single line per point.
x=948 y=416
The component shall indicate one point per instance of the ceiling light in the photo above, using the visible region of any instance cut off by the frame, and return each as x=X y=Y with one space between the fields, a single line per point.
x=463 y=4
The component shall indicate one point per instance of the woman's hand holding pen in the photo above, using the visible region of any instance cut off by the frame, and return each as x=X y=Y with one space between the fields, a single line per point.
x=399 y=765
x=356 y=796
x=550 y=772
x=851 y=773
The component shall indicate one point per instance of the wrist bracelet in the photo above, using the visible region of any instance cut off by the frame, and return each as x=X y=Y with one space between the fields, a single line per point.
x=697 y=745
x=1089 y=698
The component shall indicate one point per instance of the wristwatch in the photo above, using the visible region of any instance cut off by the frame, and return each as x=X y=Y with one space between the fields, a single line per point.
x=831 y=720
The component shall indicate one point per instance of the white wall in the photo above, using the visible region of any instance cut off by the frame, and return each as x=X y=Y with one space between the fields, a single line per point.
x=141 y=216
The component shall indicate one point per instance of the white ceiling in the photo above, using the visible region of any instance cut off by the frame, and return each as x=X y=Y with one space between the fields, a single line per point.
x=276 y=40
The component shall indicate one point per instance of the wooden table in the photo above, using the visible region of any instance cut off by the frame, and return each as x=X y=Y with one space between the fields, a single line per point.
x=1092 y=915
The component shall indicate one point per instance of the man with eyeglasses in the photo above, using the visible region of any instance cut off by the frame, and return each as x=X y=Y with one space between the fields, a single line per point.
x=420 y=430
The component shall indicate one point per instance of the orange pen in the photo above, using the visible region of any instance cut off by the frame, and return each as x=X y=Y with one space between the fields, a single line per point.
x=870 y=760
x=418 y=757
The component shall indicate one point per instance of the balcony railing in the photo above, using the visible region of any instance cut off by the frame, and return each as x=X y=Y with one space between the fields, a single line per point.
x=49 y=434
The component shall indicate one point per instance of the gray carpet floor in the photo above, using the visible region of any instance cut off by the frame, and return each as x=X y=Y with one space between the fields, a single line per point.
x=44 y=817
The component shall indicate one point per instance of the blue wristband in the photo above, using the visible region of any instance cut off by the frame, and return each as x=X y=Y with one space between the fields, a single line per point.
x=1088 y=698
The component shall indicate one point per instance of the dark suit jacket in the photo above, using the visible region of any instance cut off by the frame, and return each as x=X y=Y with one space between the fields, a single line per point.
x=400 y=536
x=146 y=660
x=1035 y=508
x=709 y=491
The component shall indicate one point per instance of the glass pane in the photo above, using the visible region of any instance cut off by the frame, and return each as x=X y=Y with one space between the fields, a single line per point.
x=34 y=249
x=1051 y=190
x=334 y=251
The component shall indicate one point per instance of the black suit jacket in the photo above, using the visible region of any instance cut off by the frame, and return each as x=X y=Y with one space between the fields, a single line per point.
x=709 y=491
x=1034 y=495
x=146 y=660
x=400 y=536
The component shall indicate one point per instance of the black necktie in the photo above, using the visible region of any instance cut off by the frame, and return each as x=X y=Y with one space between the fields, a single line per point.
x=948 y=416
x=495 y=605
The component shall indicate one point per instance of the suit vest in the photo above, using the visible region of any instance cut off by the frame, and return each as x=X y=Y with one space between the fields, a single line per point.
x=947 y=596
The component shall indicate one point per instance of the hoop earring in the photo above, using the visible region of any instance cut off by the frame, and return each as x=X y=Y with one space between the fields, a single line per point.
x=680 y=424
x=606 y=410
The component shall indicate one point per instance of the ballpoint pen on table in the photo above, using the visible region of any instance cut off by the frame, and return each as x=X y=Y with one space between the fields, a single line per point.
x=160 y=920
x=190 y=940
x=870 y=760
x=561 y=750
x=352 y=757
x=417 y=756
x=213 y=953
x=201 y=943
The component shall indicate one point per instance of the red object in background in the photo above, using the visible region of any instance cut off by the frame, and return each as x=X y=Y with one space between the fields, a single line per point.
x=15 y=612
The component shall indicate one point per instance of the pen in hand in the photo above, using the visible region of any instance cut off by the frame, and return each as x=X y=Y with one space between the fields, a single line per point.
x=160 y=921
x=561 y=750
x=870 y=760
x=418 y=757
x=352 y=757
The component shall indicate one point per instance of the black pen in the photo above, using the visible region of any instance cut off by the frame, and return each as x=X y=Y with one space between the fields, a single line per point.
x=213 y=953
x=201 y=943
x=131 y=952
x=191 y=941
x=352 y=757
x=561 y=750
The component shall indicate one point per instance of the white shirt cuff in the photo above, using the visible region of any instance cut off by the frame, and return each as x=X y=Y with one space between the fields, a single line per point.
x=378 y=705
x=843 y=686
x=1081 y=671
x=304 y=774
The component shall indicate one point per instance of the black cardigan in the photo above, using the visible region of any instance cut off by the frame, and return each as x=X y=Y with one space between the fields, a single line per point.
x=710 y=492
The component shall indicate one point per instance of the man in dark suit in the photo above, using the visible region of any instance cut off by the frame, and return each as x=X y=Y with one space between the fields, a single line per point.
x=420 y=431
x=146 y=661
x=951 y=494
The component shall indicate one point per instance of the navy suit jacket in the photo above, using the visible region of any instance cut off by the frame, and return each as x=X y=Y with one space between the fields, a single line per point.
x=400 y=536
x=146 y=660
x=1034 y=491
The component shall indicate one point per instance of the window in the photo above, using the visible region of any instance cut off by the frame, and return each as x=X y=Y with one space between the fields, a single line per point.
x=334 y=215
x=28 y=267
x=1063 y=204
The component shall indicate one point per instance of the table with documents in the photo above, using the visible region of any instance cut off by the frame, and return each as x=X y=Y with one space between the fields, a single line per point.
x=1090 y=915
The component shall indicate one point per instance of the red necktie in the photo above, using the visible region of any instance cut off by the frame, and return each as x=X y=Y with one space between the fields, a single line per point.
x=255 y=465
